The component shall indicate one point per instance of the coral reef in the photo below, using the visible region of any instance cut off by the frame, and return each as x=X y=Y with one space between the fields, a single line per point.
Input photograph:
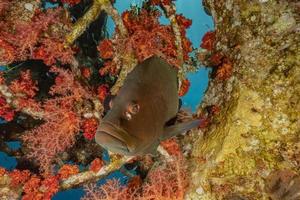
x=256 y=132
x=53 y=91
x=248 y=144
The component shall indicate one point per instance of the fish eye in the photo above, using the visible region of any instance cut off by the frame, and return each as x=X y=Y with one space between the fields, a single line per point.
x=133 y=108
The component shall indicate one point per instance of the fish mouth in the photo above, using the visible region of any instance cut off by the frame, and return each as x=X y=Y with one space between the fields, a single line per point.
x=115 y=137
x=112 y=130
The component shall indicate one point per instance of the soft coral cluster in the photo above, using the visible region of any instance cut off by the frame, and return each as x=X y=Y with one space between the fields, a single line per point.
x=34 y=187
x=149 y=37
x=6 y=112
x=37 y=38
x=89 y=128
x=146 y=37
x=168 y=181
x=24 y=86
x=62 y=121
x=38 y=189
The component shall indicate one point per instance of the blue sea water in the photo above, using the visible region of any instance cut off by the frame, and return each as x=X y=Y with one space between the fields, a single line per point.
x=202 y=23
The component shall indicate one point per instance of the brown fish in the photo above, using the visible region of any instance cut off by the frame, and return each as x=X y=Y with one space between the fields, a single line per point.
x=137 y=121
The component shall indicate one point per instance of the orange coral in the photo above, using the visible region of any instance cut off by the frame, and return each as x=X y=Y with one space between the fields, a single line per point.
x=37 y=189
x=53 y=49
x=86 y=72
x=21 y=39
x=102 y=92
x=224 y=71
x=18 y=177
x=109 y=67
x=165 y=182
x=52 y=137
x=89 y=128
x=96 y=165
x=2 y=171
x=105 y=49
x=68 y=170
x=172 y=147
x=49 y=187
x=216 y=59
x=185 y=85
x=148 y=37
x=208 y=40
x=6 y=112
x=7 y=52
x=183 y=21
x=32 y=185
x=24 y=85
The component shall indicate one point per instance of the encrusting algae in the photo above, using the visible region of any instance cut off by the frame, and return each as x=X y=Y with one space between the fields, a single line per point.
x=257 y=131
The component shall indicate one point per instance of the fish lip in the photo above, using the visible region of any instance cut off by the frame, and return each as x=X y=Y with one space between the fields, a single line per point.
x=113 y=130
x=120 y=149
x=119 y=133
x=110 y=128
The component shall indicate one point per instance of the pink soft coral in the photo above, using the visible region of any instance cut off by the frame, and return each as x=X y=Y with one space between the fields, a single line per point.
x=62 y=122
x=167 y=182
x=37 y=38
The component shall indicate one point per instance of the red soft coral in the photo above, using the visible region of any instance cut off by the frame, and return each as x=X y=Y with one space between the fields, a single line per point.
x=7 y=52
x=62 y=122
x=208 y=40
x=96 y=165
x=19 y=177
x=102 y=91
x=105 y=49
x=86 y=72
x=224 y=71
x=172 y=147
x=54 y=136
x=37 y=189
x=38 y=38
x=89 y=128
x=148 y=37
x=158 y=2
x=168 y=181
x=67 y=170
x=109 y=67
x=51 y=50
x=24 y=85
x=6 y=112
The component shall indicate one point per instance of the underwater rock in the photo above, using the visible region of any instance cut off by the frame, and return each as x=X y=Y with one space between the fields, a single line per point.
x=257 y=129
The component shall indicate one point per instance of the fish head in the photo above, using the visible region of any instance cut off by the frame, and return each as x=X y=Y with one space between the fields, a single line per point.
x=113 y=133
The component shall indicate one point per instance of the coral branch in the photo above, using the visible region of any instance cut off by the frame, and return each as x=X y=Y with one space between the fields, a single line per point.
x=129 y=62
x=109 y=9
x=89 y=176
x=170 y=11
x=80 y=26
x=91 y=15
x=12 y=99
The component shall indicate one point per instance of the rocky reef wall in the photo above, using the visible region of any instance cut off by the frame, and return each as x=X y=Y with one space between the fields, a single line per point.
x=251 y=149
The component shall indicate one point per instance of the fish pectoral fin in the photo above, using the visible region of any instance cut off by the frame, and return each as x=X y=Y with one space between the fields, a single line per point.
x=170 y=131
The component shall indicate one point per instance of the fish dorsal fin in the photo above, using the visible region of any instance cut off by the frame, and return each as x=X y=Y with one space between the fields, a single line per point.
x=170 y=131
